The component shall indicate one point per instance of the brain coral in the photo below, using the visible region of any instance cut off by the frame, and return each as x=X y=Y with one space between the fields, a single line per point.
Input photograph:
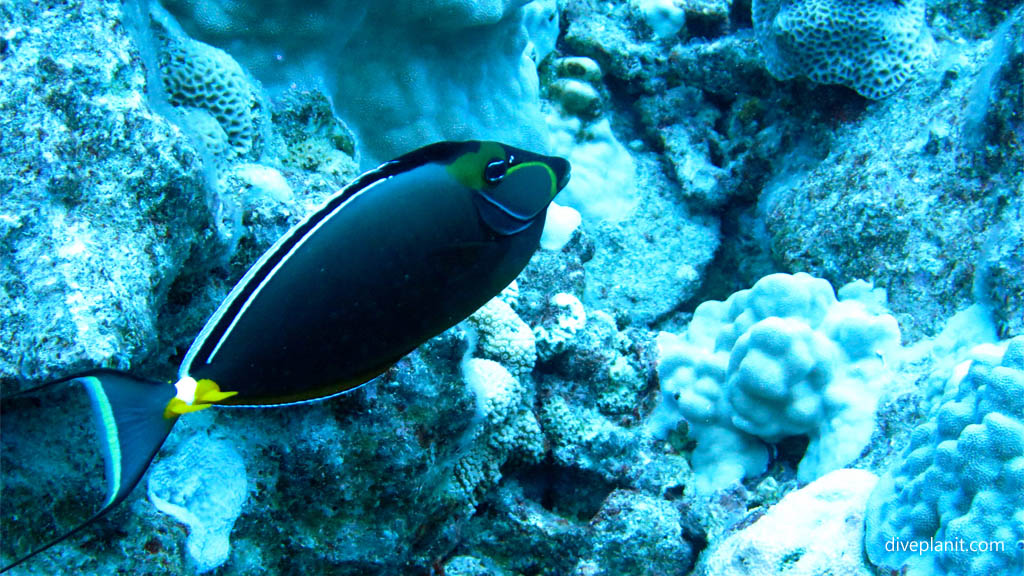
x=954 y=505
x=871 y=46
x=214 y=93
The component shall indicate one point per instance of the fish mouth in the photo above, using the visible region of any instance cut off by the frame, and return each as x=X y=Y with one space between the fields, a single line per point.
x=562 y=169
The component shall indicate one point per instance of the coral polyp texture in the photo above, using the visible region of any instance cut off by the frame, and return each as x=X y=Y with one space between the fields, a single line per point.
x=954 y=503
x=872 y=46
x=502 y=336
x=207 y=82
x=785 y=358
x=504 y=428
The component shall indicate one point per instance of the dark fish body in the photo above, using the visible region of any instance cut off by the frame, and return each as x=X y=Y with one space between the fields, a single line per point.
x=409 y=257
x=395 y=258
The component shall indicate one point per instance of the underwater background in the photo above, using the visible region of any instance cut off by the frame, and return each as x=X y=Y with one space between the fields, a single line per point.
x=775 y=325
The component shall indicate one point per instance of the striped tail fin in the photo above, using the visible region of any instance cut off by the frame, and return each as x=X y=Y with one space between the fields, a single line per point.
x=71 y=450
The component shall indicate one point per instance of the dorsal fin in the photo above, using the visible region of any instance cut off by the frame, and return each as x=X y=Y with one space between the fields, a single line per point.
x=440 y=152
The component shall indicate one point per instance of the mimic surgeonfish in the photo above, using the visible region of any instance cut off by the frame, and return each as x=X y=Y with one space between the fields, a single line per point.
x=401 y=254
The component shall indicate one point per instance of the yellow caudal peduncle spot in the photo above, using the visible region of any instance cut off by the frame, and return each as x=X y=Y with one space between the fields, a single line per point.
x=208 y=392
x=194 y=396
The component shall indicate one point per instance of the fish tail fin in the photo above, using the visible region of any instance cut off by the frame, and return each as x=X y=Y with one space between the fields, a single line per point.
x=131 y=413
x=48 y=438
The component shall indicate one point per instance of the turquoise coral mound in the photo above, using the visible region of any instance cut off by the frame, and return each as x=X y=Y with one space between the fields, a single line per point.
x=960 y=486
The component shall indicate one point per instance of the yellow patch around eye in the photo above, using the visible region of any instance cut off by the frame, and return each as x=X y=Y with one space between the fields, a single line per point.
x=468 y=169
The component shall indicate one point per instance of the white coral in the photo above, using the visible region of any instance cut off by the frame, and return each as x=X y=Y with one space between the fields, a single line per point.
x=569 y=318
x=784 y=358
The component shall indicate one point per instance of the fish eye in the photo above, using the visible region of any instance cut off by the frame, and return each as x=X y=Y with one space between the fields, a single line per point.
x=495 y=171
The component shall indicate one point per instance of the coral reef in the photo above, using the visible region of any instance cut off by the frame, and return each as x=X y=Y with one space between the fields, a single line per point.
x=929 y=219
x=505 y=428
x=208 y=84
x=630 y=521
x=502 y=336
x=102 y=199
x=202 y=485
x=719 y=147
x=568 y=318
x=377 y=62
x=604 y=183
